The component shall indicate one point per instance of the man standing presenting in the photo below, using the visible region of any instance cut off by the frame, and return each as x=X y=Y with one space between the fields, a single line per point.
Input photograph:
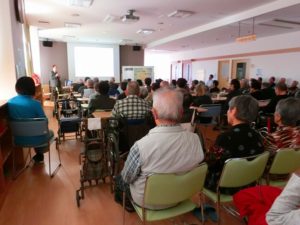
x=209 y=82
x=55 y=83
x=167 y=148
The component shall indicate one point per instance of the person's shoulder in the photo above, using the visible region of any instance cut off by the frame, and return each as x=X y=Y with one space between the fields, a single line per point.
x=11 y=100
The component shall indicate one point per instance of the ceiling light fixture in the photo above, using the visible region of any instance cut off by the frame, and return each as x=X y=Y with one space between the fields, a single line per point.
x=181 y=14
x=81 y=3
x=246 y=38
x=109 y=18
x=43 y=21
x=72 y=25
x=145 y=31
x=129 y=17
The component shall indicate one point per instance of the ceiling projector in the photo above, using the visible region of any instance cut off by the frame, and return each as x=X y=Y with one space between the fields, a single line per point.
x=129 y=17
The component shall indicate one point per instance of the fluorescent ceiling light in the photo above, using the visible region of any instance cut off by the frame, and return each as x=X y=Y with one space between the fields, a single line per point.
x=81 y=3
x=246 y=38
x=181 y=14
x=145 y=31
x=109 y=19
x=72 y=25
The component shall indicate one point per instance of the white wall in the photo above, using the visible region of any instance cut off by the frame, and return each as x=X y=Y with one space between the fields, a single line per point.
x=161 y=63
x=278 y=65
x=7 y=60
x=55 y=55
x=208 y=67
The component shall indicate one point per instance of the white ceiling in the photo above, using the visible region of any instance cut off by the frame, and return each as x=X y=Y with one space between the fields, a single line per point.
x=213 y=22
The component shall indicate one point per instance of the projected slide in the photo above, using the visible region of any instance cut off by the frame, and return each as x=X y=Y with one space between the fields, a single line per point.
x=93 y=61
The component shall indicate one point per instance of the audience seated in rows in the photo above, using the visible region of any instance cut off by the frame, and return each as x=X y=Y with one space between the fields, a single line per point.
x=293 y=88
x=214 y=88
x=240 y=141
x=194 y=84
x=267 y=91
x=287 y=134
x=164 y=84
x=272 y=82
x=244 y=86
x=101 y=100
x=113 y=89
x=81 y=89
x=89 y=89
x=201 y=97
x=234 y=90
x=281 y=93
x=167 y=148
x=24 y=106
x=154 y=87
x=182 y=86
x=148 y=82
x=77 y=85
x=255 y=91
x=131 y=107
x=123 y=88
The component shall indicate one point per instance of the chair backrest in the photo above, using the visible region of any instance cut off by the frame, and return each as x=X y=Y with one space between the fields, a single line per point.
x=131 y=131
x=285 y=161
x=29 y=127
x=166 y=189
x=213 y=110
x=238 y=172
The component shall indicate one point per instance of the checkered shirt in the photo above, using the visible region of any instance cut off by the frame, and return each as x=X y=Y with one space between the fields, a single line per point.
x=132 y=107
x=132 y=167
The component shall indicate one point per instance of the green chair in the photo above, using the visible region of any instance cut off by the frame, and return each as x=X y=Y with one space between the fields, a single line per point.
x=168 y=189
x=237 y=172
x=286 y=161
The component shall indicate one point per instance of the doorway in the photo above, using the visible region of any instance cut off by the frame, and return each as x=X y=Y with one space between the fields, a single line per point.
x=223 y=73
x=240 y=69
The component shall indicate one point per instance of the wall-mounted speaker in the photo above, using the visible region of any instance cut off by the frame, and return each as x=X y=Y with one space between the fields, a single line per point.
x=136 y=48
x=47 y=43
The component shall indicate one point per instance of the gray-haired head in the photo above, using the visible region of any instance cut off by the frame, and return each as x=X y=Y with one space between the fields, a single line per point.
x=246 y=108
x=90 y=83
x=133 y=88
x=168 y=104
x=289 y=111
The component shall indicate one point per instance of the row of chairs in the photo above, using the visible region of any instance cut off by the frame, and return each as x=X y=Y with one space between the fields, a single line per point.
x=237 y=172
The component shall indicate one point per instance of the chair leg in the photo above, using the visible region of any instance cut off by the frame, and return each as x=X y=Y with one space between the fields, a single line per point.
x=124 y=199
x=49 y=161
x=16 y=174
x=218 y=209
x=59 y=164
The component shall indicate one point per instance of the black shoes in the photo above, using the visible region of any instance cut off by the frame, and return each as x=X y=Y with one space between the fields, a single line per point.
x=38 y=158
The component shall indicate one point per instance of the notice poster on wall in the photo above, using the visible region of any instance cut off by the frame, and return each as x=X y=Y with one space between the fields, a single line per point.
x=137 y=72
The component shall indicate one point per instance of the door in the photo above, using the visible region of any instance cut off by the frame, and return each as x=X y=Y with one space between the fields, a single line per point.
x=240 y=69
x=223 y=73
